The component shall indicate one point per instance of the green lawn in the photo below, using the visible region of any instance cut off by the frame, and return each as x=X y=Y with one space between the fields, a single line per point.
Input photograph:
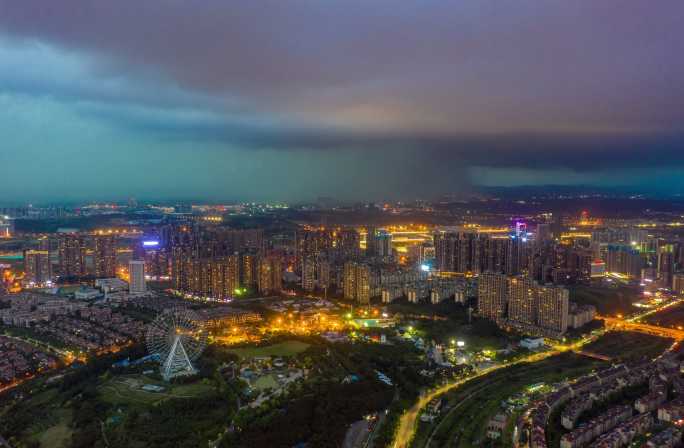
x=628 y=346
x=287 y=348
x=49 y=425
x=57 y=436
x=190 y=390
x=72 y=413
x=265 y=382
x=126 y=390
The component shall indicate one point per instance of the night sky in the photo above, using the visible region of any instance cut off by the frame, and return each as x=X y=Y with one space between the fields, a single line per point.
x=291 y=100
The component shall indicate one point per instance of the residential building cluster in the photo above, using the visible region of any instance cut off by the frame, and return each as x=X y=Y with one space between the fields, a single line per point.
x=220 y=263
x=564 y=251
x=20 y=360
x=78 y=255
x=72 y=323
x=520 y=303
x=475 y=251
x=618 y=425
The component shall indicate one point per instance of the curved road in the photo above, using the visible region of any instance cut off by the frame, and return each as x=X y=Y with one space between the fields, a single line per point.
x=407 y=422
x=454 y=408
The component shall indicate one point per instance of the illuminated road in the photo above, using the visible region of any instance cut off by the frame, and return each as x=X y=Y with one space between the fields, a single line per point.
x=407 y=422
x=629 y=325
x=654 y=310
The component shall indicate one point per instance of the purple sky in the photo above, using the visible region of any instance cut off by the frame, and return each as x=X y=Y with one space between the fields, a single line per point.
x=267 y=95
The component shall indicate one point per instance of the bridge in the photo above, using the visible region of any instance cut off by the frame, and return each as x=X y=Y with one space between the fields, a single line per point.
x=613 y=323
x=594 y=355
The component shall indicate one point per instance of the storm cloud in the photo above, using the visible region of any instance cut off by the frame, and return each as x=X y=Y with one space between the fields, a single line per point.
x=390 y=99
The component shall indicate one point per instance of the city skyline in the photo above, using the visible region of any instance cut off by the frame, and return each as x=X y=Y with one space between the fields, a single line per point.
x=317 y=224
x=348 y=100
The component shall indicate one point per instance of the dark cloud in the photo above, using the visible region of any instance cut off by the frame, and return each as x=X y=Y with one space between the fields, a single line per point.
x=432 y=88
x=520 y=150
x=475 y=66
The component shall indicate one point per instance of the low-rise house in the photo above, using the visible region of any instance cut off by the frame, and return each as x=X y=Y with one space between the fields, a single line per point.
x=669 y=438
x=649 y=402
x=672 y=411
x=496 y=426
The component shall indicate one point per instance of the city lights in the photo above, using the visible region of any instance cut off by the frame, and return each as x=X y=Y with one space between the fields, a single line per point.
x=411 y=225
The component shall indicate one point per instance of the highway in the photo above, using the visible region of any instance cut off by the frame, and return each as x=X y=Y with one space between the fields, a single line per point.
x=633 y=323
x=629 y=325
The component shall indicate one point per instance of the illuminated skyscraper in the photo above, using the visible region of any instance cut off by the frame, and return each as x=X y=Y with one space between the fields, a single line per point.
x=666 y=263
x=308 y=273
x=155 y=255
x=232 y=274
x=270 y=274
x=71 y=252
x=474 y=252
x=624 y=259
x=363 y=283
x=492 y=295
x=426 y=254
x=553 y=309
x=678 y=283
x=248 y=271
x=104 y=256
x=522 y=300
x=225 y=276
x=544 y=233
x=383 y=245
x=445 y=251
x=371 y=241
x=324 y=274
x=349 y=280
x=347 y=244
x=311 y=244
x=136 y=273
x=360 y=282
x=37 y=267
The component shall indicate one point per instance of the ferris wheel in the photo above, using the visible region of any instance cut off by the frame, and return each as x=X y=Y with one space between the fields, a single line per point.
x=178 y=337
